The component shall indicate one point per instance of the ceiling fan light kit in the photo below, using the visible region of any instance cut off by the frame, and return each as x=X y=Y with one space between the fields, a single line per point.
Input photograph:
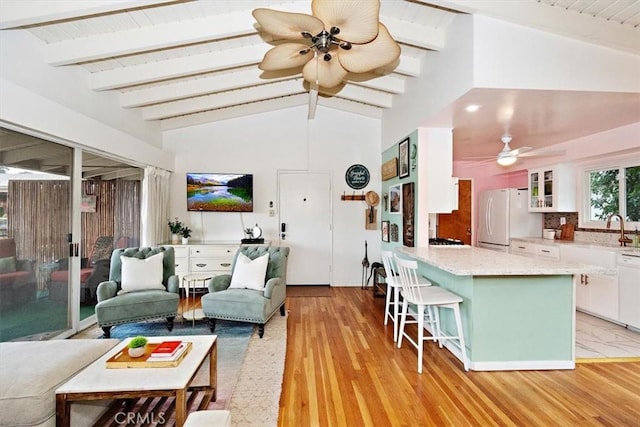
x=507 y=160
x=341 y=37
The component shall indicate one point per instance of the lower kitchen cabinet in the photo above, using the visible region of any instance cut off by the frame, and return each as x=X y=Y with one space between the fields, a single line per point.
x=595 y=293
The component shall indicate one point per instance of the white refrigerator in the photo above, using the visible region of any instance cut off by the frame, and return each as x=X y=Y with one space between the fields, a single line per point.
x=504 y=214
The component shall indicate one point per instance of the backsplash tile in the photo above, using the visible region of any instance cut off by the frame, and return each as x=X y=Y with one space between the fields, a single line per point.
x=587 y=235
x=552 y=220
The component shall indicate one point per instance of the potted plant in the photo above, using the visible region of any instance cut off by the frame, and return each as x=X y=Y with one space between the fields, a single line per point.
x=185 y=233
x=137 y=346
x=175 y=227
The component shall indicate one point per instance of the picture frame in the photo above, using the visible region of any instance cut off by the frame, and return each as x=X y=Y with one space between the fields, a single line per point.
x=395 y=199
x=403 y=159
x=385 y=231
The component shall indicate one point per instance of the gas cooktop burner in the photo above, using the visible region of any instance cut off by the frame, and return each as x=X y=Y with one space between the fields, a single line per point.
x=445 y=242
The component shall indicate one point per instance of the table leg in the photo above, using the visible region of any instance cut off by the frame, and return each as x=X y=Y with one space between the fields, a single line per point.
x=213 y=370
x=181 y=407
x=63 y=411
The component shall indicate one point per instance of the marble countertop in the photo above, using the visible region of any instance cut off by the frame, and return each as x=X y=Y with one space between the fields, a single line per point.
x=553 y=242
x=472 y=261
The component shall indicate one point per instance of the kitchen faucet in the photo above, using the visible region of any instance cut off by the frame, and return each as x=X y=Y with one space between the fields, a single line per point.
x=623 y=239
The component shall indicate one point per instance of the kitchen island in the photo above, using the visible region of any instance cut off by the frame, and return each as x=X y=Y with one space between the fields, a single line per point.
x=518 y=312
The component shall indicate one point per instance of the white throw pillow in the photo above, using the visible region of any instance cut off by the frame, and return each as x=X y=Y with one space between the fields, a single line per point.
x=248 y=273
x=142 y=274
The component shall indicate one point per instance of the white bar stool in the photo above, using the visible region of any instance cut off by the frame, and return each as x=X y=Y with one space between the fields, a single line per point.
x=430 y=298
x=393 y=284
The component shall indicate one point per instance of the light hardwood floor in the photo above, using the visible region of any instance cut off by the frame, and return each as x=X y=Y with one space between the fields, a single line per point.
x=342 y=369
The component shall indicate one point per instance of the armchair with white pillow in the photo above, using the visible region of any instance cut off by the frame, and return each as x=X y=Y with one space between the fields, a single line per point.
x=142 y=285
x=254 y=291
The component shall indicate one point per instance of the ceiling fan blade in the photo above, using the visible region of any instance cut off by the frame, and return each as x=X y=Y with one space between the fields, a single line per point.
x=366 y=57
x=285 y=56
x=519 y=151
x=357 y=19
x=326 y=73
x=548 y=153
x=287 y=25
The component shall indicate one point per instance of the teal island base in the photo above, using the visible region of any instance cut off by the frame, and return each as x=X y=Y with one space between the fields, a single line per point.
x=512 y=322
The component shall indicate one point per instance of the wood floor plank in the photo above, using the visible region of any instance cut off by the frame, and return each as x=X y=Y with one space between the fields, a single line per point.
x=343 y=368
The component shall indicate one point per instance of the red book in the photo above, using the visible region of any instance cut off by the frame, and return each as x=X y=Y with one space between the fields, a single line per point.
x=166 y=349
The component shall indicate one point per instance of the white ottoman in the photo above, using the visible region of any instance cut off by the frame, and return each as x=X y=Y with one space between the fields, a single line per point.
x=216 y=418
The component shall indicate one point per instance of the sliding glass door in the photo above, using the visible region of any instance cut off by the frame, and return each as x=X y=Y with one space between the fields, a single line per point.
x=66 y=210
x=37 y=215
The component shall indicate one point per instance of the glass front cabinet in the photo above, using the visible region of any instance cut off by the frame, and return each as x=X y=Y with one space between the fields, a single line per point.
x=552 y=189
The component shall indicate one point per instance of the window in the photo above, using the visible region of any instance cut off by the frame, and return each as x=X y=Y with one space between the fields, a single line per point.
x=610 y=191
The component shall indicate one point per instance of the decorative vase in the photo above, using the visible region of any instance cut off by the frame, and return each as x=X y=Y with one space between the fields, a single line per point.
x=185 y=240
x=175 y=238
x=137 y=352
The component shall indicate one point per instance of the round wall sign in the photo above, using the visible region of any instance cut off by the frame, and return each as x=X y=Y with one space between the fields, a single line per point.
x=357 y=176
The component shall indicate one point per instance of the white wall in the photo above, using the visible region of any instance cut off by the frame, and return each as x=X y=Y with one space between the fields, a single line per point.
x=33 y=114
x=283 y=140
x=512 y=56
x=445 y=76
x=23 y=62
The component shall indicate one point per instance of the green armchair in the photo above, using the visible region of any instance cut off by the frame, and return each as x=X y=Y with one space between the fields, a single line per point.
x=249 y=305
x=133 y=304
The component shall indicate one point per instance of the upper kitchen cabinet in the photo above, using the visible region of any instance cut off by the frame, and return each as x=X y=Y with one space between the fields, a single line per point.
x=552 y=189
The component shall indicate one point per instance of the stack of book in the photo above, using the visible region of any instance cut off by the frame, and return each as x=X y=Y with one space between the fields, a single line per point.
x=167 y=351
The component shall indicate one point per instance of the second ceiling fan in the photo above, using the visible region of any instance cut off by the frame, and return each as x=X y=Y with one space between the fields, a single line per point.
x=508 y=156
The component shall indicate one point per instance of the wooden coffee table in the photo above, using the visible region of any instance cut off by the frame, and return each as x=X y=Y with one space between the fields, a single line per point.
x=97 y=382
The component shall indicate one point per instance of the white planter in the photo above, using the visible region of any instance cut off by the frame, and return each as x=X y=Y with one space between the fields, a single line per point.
x=137 y=352
x=175 y=239
x=185 y=240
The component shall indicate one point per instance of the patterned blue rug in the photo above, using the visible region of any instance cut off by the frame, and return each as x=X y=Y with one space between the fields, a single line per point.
x=153 y=328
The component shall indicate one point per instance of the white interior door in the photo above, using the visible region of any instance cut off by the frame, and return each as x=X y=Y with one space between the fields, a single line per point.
x=305 y=226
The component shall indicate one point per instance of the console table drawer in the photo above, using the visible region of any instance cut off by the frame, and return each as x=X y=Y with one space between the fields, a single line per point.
x=209 y=264
x=182 y=265
x=180 y=252
x=213 y=252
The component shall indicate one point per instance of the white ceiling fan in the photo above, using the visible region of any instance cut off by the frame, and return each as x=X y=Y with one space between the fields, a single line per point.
x=509 y=156
x=341 y=37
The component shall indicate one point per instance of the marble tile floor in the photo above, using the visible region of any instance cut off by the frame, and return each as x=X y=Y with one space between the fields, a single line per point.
x=598 y=339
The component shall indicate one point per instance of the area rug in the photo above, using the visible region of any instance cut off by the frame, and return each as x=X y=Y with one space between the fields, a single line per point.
x=255 y=401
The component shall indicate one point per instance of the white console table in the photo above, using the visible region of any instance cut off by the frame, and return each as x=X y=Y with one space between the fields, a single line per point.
x=205 y=257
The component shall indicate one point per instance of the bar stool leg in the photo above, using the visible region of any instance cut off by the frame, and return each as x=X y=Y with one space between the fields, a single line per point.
x=420 y=312
x=387 y=305
x=403 y=320
x=463 y=348
x=396 y=299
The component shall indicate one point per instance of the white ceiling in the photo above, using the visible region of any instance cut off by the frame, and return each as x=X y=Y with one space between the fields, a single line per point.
x=189 y=62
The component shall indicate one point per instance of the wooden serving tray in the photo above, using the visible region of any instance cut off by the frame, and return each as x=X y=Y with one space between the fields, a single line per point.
x=122 y=360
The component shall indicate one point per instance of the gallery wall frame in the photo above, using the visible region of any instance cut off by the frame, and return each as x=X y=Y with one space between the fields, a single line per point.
x=403 y=158
x=395 y=199
x=385 y=231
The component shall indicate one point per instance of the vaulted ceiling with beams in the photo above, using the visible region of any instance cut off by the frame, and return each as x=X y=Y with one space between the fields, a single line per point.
x=198 y=59
x=195 y=61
